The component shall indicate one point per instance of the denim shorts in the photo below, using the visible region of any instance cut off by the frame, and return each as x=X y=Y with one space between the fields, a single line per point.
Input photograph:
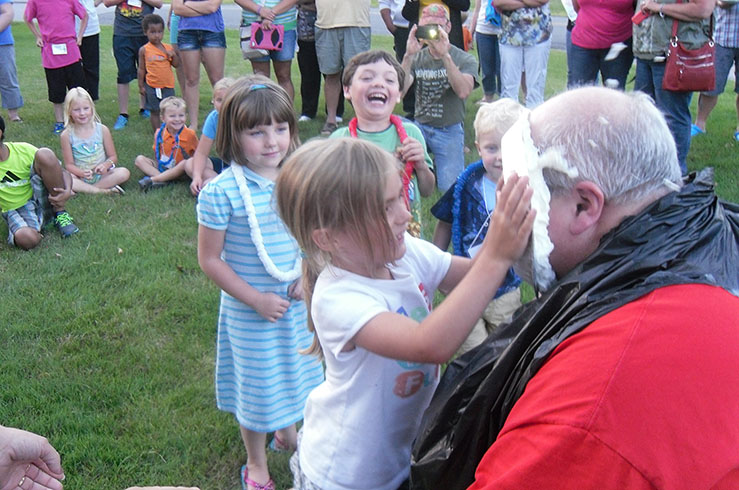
x=195 y=39
x=725 y=57
x=126 y=52
x=287 y=52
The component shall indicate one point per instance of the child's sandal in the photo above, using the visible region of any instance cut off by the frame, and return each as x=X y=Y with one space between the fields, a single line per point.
x=277 y=445
x=246 y=483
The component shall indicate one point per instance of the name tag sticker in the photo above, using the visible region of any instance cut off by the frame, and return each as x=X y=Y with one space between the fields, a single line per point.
x=134 y=3
x=58 y=49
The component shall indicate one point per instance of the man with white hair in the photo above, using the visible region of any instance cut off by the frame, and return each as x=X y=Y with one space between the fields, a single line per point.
x=622 y=374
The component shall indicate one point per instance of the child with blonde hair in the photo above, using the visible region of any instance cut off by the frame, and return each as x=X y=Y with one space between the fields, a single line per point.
x=202 y=167
x=173 y=144
x=464 y=211
x=369 y=286
x=244 y=247
x=87 y=147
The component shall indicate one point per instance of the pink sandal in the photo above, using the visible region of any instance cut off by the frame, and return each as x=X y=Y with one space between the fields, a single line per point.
x=246 y=482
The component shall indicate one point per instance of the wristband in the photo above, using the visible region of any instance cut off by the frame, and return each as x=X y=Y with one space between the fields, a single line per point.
x=259 y=11
x=662 y=10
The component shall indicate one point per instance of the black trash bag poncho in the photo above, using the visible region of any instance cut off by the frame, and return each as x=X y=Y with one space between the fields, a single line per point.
x=686 y=237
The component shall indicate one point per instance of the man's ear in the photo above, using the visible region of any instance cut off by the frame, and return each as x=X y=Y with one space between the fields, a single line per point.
x=322 y=238
x=590 y=205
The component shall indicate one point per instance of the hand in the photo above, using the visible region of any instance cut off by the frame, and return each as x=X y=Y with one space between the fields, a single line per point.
x=39 y=42
x=266 y=24
x=79 y=39
x=267 y=13
x=413 y=45
x=271 y=306
x=87 y=174
x=28 y=458
x=142 y=90
x=512 y=219
x=295 y=290
x=59 y=196
x=170 y=53
x=439 y=47
x=196 y=185
x=412 y=151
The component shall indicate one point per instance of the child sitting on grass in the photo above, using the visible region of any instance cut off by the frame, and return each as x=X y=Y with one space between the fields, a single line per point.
x=87 y=147
x=464 y=212
x=200 y=167
x=373 y=82
x=156 y=59
x=173 y=143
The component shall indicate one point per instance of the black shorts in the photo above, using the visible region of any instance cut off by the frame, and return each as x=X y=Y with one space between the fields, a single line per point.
x=59 y=80
x=153 y=100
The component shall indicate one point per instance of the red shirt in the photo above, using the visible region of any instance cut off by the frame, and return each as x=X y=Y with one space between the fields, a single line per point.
x=601 y=23
x=647 y=396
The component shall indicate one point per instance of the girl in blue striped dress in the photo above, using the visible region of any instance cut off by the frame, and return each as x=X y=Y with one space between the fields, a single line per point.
x=244 y=247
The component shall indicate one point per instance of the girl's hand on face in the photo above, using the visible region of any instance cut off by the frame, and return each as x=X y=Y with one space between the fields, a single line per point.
x=513 y=219
x=271 y=306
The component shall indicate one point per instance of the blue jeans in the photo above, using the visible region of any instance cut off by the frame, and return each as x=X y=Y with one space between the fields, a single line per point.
x=675 y=106
x=583 y=65
x=489 y=53
x=447 y=146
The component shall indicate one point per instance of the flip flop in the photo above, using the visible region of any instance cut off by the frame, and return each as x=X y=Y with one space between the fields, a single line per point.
x=695 y=130
x=116 y=189
x=17 y=120
x=736 y=136
x=246 y=482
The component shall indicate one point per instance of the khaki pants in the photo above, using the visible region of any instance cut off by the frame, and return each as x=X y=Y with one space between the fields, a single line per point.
x=499 y=310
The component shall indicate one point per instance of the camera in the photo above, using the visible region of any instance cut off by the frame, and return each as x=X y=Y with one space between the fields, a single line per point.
x=429 y=31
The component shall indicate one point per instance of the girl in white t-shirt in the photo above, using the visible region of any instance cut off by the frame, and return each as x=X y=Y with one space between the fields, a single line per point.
x=369 y=286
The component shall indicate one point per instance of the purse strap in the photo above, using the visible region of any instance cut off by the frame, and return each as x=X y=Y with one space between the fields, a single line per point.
x=674 y=39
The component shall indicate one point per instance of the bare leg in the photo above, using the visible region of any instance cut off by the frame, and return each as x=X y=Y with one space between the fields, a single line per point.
x=155 y=120
x=180 y=70
x=331 y=90
x=26 y=238
x=123 y=98
x=116 y=176
x=214 y=60
x=191 y=66
x=146 y=165
x=13 y=114
x=171 y=173
x=282 y=72
x=59 y=112
x=706 y=103
x=79 y=185
x=288 y=435
x=256 y=455
x=58 y=182
x=261 y=68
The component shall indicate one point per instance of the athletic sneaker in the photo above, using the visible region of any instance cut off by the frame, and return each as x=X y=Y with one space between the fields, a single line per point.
x=304 y=118
x=146 y=184
x=64 y=224
x=58 y=128
x=121 y=122
x=144 y=113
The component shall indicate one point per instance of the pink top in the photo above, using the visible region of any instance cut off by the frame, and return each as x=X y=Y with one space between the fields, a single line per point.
x=601 y=23
x=56 y=24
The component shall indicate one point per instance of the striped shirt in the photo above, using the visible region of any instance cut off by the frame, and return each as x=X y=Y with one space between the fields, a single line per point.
x=289 y=18
x=727 y=26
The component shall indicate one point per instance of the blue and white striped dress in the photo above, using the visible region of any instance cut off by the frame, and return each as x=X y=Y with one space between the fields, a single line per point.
x=260 y=376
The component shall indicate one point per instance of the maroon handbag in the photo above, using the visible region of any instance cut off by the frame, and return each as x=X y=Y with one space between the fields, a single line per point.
x=689 y=70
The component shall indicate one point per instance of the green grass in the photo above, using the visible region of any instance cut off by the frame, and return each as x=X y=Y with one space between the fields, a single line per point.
x=108 y=337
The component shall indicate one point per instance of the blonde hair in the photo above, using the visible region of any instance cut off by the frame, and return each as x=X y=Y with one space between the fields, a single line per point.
x=497 y=116
x=223 y=84
x=171 y=101
x=336 y=184
x=78 y=93
x=252 y=101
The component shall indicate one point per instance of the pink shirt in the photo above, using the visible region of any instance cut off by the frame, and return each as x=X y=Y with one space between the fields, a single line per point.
x=56 y=24
x=601 y=23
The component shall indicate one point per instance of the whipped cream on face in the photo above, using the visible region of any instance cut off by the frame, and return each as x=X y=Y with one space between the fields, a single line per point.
x=520 y=156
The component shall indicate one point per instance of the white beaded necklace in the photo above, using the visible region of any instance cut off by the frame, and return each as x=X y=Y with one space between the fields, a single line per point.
x=256 y=232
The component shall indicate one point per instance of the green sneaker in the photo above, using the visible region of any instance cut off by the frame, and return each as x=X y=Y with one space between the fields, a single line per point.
x=65 y=225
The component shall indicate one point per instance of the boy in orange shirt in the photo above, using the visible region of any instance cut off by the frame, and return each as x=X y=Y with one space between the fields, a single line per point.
x=173 y=144
x=156 y=59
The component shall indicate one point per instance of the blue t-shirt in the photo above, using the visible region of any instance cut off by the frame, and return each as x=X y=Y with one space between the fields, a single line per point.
x=211 y=125
x=467 y=210
x=6 y=36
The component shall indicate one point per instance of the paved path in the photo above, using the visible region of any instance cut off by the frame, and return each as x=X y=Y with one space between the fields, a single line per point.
x=232 y=19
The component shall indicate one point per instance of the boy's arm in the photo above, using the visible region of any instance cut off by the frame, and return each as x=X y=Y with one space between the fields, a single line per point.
x=142 y=70
x=174 y=58
x=28 y=16
x=442 y=235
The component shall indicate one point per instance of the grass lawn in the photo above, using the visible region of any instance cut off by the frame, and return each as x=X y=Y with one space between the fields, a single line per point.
x=108 y=337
